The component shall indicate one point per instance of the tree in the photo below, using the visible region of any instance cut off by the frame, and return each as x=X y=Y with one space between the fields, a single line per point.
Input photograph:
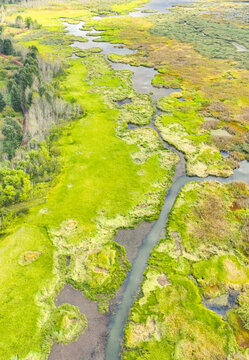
x=39 y=164
x=33 y=50
x=12 y=132
x=8 y=47
x=9 y=85
x=2 y=102
x=29 y=22
x=15 y=186
x=19 y=21
x=25 y=77
x=15 y=97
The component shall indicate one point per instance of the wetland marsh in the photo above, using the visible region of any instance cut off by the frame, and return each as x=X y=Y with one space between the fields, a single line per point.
x=148 y=146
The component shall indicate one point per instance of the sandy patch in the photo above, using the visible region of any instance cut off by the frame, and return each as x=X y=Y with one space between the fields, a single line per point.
x=239 y=47
x=163 y=280
x=220 y=132
x=29 y=257
x=234 y=274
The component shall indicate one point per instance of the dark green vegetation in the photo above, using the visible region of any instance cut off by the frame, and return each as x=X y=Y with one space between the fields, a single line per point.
x=12 y=133
x=203 y=255
x=6 y=47
x=23 y=79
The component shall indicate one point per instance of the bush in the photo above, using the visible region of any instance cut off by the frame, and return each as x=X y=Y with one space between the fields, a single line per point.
x=15 y=186
x=39 y=164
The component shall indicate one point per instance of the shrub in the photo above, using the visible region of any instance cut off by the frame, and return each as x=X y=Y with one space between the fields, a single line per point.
x=15 y=186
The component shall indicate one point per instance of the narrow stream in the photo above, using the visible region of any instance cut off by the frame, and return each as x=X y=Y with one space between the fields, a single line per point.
x=142 y=77
x=134 y=278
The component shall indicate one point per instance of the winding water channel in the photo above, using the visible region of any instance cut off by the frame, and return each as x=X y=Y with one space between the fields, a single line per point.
x=142 y=77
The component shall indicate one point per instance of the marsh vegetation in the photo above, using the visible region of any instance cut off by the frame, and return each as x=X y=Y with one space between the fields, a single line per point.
x=74 y=171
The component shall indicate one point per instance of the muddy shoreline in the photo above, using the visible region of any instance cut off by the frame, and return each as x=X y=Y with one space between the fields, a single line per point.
x=92 y=344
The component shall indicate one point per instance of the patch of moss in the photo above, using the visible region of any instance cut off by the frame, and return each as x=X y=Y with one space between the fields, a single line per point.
x=67 y=323
x=100 y=272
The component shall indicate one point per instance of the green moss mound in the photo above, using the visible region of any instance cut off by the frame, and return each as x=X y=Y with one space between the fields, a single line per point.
x=67 y=324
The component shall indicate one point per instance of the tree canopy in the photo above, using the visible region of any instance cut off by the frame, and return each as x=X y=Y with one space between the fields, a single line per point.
x=15 y=186
x=12 y=132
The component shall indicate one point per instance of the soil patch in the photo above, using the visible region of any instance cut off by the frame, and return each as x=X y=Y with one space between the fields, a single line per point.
x=91 y=344
x=132 y=239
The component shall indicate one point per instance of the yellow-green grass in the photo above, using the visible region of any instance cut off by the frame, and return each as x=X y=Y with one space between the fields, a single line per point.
x=67 y=324
x=219 y=273
x=99 y=174
x=173 y=323
x=20 y=331
x=127 y=7
x=212 y=213
x=182 y=126
x=50 y=16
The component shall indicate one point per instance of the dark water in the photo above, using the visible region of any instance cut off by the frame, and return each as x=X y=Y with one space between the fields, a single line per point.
x=158 y=6
x=224 y=154
x=68 y=260
x=142 y=77
x=123 y=102
x=221 y=309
